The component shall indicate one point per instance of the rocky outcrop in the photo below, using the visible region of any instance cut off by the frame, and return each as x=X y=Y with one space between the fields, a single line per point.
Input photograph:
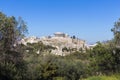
x=59 y=41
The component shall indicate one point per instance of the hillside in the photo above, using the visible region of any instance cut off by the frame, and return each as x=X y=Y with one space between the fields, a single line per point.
x=61 y=41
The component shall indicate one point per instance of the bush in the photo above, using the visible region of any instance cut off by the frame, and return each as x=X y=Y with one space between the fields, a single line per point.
x=104 y=60
x=112 y=77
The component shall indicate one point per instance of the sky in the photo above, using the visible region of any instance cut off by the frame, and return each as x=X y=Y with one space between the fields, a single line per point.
x=90 y=20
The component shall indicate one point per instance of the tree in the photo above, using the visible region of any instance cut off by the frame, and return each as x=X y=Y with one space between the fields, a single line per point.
x=11 y=30
x=65 y=49
x=74 y=37
x=116 y=32
x=104 y=59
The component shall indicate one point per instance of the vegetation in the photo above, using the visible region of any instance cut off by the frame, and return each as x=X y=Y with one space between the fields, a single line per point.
x=116 y=32
x=112 y=77
x=12 y=65
x=34 y=61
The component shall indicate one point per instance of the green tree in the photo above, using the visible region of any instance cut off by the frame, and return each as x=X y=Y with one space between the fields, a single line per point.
x=104 y=60
x=116 y=32
x=11 y=30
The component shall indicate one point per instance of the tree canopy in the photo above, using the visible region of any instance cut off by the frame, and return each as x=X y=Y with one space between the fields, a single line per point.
x=11 y=60
x=116 y=32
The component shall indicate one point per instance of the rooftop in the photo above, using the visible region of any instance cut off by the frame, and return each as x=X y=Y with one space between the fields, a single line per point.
x=59 y=33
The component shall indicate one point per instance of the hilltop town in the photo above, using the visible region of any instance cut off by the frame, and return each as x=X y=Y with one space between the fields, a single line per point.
x=61 y=41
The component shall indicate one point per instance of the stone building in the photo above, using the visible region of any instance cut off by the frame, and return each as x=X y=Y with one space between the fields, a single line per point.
x=60 y=34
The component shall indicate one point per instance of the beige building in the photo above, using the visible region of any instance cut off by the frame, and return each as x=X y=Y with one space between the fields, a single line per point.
x=60 y=34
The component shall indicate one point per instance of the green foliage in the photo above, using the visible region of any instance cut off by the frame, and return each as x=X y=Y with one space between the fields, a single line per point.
x=79 y=56
x=8 y=71
x=104 y=60
x=116 y=32
x=70 y=69
x=65 y=49
x=41 y=67
x=33 y=48
x=51 y=67
x=11 y=30
x=59 y=78
x=111 y=77
x=74 y=37
x=12 y=65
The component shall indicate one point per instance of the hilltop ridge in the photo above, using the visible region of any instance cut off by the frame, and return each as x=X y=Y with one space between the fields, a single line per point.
x=61 y=41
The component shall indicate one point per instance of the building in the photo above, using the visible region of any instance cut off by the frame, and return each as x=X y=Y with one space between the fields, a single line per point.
x=60 y=34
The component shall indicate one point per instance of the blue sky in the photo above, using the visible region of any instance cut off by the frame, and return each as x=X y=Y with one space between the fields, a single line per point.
x=90 y=20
